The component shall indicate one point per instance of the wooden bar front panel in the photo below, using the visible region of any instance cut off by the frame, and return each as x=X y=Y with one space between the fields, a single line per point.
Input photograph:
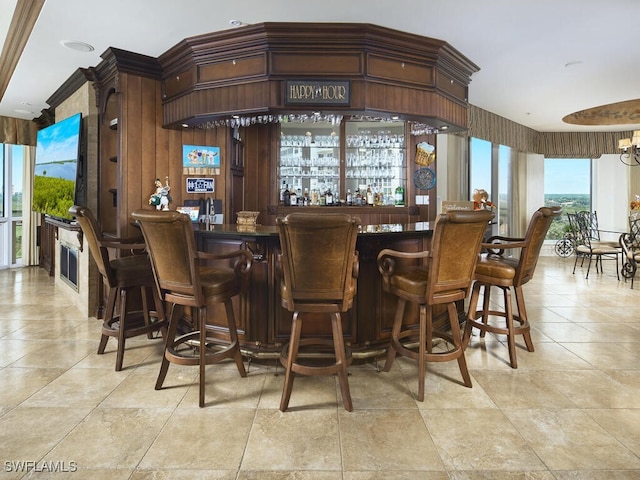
x=264 y=325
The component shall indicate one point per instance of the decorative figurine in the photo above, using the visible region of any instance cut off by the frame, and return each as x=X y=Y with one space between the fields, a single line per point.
x=481 y=200
x=161 y=198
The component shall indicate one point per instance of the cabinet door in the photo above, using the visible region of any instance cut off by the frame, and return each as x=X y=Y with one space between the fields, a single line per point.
x=375 y=161
x=309 y=162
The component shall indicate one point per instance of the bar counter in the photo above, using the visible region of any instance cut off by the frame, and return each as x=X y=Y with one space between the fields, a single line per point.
x=264 y=326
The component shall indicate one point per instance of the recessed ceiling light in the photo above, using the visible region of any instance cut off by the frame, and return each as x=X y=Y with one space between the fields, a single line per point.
x=77 y=46
x=236 y=23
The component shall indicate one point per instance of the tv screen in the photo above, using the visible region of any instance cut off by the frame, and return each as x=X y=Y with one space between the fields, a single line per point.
x=57 y=169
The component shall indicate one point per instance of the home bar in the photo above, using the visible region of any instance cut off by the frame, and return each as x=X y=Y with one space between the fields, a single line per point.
x=314 y=117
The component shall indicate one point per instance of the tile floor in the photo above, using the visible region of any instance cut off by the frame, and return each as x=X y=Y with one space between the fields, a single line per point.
x=571 y=411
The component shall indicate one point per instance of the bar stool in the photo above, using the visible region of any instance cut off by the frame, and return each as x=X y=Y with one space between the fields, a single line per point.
x=318 y=267
x=122 y=275
x=506 y=273
x=195 y=279
x=443 y=277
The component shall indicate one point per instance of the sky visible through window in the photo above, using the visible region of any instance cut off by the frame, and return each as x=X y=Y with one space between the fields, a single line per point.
x=567 y=175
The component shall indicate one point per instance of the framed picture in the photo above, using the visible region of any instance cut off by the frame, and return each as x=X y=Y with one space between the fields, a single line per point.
x=200 y=160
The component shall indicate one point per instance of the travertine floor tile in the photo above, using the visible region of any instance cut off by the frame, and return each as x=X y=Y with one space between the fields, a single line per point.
x=622 y=424
x=27 y=434
x=78 y=388
x=515 y=388
x=111 y=438
x=569 y=412
x=386 y=440
x=571 y=440
x=479 y=439
x=200 y=439
x=183 y=475
x=18 y=384
x=295 y=440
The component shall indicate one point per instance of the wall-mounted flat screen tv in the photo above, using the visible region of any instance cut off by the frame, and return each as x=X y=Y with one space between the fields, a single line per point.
x=57 y=179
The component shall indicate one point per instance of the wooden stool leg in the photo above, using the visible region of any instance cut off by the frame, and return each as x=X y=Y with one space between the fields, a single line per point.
x=145 y=310
x=202 y=324
x=233 y=334
x=471 y=314
x=159 y=306
x=485 y=307
x=395 y=334
x=296 y=330
x=422 y=360
x=457 y=342
x=522 y=312
x=170 y=337
x=121 y=329
x=511 y=341
x=341 y=360
x=111 y=306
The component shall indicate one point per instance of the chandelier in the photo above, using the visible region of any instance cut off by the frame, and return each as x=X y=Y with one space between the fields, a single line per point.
x=630 y=147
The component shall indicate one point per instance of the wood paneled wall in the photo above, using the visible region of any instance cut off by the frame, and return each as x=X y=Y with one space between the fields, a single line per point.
x=148 y=151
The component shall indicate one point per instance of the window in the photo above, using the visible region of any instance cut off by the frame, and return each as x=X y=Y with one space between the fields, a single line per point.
x=11 y=159
x=480 y=165
x=567 y=182
x=490 y=169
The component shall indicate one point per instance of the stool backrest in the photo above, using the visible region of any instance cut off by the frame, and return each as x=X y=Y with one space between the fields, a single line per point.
x=318 y=260
x=634 y=229
x=534 y=239
x=455 y=247
x=94 y=239
x=172 y=250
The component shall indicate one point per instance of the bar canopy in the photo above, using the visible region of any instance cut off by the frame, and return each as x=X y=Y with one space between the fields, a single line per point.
x=266 y=72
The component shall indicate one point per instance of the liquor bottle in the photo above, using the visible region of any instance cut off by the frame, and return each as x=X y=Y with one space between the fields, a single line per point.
x=293 y=198
x=284 y=187
x=306 y=200
x=287 y=197
x=399 y=196
x=315 y=200
x=329 y=197
x=358 y=198
x=349 y=197
x=369 y=196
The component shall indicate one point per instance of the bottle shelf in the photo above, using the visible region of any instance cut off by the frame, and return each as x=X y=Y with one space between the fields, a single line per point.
x=356 y=154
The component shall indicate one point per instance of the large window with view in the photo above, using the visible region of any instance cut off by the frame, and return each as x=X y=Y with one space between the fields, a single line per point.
x=567 y=182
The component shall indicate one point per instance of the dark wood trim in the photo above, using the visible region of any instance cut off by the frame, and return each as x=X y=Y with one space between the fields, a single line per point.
x=70 y=86
x=24 y=18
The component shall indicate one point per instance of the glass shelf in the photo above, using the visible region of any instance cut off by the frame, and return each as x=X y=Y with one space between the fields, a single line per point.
x=373 y=156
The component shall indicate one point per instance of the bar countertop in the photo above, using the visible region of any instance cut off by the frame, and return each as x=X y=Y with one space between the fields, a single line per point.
x=268 y=231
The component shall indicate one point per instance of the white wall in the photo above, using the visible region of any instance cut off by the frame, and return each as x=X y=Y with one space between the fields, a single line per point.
x=611 y=194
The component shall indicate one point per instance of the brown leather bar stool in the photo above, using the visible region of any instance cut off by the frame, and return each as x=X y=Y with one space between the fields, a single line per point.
x=443 y=277
x=506 y=273
x=122 y=275
x=195 y=279
x=319 y=266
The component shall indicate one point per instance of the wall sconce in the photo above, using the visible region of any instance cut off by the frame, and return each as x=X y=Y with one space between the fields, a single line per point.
x=630 y=147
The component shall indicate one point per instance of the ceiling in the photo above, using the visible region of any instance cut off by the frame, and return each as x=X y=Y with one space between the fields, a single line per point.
x=540 y=60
